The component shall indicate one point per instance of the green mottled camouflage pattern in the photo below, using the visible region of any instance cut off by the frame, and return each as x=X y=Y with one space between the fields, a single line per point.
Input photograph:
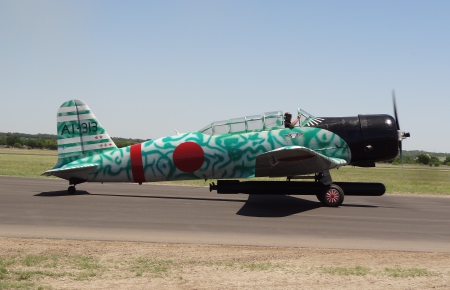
x=226 y=156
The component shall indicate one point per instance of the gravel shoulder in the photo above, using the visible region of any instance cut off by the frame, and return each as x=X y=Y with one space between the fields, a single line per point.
x=75 y=264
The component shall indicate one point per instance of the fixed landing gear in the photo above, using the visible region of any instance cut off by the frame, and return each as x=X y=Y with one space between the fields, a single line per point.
x=72 y=182
x=71 y=189
x=332 y=196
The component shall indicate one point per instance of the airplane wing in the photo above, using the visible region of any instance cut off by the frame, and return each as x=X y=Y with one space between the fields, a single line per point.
x=70 y=169
x=294 y=160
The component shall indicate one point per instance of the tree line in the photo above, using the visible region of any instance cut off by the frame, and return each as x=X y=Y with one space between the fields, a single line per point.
x=17 y=142
x=422 y=158
x=49 y=141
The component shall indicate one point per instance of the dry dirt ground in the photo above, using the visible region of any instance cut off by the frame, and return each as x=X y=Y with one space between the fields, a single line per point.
x=74 y=264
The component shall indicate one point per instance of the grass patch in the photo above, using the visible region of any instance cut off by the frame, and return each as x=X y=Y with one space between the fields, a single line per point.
x=391 y=272
x=3 y=272
x=28 y=271
x=405 y=273
x=51 y=264
x=5 y=262
x=26 y=275
x=86 y=275
x=33 y=260
x=155 y=267
x=16 y=163
x=86 y=263
x=15 y=270
x=345 y=271
x=29 y=274
x=259 y=266
x=20 y=151
x=418 y=179
x=230 y=264
x=16 y=285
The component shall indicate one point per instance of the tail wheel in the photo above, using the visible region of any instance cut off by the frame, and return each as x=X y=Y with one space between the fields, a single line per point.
x=333 y=196
x=71 y=189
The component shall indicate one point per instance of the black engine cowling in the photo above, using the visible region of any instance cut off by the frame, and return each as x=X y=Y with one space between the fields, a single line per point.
x=371 y=138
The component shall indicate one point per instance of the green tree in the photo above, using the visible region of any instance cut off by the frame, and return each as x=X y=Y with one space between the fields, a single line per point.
x=13 y=139
x=40 y=144
x=396 y=160
x=409 y=160
x=31 y=143
x=447 y=160
x=435 y=161
x=423 y=159
x=52 y=144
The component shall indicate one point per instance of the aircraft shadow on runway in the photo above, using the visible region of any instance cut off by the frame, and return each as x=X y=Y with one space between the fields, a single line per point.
x=276 y=206
x=254 y=206
x=282 y=205
x=61 y=193
x=83 y=192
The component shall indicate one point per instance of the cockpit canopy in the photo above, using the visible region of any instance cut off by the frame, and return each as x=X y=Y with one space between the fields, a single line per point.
x=263 y=122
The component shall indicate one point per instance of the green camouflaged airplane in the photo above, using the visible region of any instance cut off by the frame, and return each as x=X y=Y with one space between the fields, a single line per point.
x=254 y=146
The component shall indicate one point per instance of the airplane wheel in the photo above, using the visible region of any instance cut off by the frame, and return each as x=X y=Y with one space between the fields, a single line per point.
x=71 y=189
x=333 y=196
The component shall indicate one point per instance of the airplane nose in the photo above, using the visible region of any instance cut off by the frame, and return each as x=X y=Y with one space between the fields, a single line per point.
x=379 y=137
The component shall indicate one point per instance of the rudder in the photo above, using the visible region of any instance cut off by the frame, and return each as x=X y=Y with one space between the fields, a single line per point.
x=80 y=134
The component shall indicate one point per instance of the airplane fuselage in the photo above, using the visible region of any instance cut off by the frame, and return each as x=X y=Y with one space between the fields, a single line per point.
x=200 y=156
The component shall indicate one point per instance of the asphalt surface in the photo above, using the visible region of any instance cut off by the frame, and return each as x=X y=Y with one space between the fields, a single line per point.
x=42 y=208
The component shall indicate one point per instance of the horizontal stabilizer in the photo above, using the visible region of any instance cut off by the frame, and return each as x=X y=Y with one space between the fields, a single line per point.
x=294 y=160
x=70 y=169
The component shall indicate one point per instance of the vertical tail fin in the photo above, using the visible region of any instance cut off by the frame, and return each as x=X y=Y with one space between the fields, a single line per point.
x=80 y=134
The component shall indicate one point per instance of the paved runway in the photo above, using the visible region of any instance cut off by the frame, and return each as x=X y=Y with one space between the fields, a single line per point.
x=41 y=208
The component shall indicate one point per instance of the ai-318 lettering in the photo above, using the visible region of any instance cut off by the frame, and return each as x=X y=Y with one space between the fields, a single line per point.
x=89 y=127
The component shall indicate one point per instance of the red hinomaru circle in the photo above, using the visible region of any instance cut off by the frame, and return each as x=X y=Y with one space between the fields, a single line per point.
x=188 y=157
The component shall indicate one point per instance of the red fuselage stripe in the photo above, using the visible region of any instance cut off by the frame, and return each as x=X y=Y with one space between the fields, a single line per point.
x=136 y=163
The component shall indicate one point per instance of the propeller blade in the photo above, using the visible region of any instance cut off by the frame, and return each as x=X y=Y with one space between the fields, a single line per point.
x=395 y=109
x=398 y=126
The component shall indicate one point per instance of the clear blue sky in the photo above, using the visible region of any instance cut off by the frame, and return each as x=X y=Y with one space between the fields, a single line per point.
x=145 y=67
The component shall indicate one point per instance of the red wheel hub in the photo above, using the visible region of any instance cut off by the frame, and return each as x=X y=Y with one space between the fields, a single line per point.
x=332 y=195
